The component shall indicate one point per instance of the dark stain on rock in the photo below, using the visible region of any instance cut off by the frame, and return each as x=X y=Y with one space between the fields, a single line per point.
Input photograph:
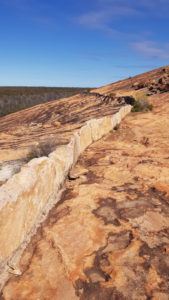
x=91 y=178
x=107 y=211
x=56 y=215
x=120 y=240
x=163 y=266
x=2 y=297
x=145 y=250
x=127 y=213
x=128 y=188
x=107 y=201
x=145 y=161
x=161 y=197
x=111 y=211
x=136 y=178
x=142 y=202
x=93 y=160
x=67 y=195
x=146 y=266
x=164 y=287
x=92 y=288
x=95 y=274
x=94 y=291
x=159 y=259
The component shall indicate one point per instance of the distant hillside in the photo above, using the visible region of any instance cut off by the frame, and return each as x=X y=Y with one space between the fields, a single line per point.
x=13 y=99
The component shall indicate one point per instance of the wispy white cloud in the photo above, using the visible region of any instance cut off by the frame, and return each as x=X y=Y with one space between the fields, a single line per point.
x=101 y=19
x=105 y=14
x=152 y=50
x=107 y=11
x=93 y=20
x=97 y=21
x=150 y=7
x=155 y=7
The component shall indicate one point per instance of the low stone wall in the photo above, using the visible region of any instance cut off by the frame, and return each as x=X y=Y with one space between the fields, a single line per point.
x=27 y=197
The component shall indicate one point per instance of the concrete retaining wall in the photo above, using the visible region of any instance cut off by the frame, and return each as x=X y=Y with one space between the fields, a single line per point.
x=27 y=197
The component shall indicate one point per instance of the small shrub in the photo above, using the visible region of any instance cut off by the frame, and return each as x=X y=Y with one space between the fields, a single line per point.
x=129 y=100
x=16 y=169
x=141 y=103
x=141 y=97
x=112 y=95
x=39 y=150
x=32 y=154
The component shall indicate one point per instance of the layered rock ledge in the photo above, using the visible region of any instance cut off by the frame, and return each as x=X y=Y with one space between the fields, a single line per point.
x=108 y=237
x=28 y=195
x=121 y=220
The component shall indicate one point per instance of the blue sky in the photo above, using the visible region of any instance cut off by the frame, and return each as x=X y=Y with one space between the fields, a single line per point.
x=81 y=43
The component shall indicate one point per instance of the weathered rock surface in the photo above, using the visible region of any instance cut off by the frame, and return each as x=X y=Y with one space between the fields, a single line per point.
x=27 y=197
x=140 y=82
x=91 y=246
x=108 y=237
x=20 y=131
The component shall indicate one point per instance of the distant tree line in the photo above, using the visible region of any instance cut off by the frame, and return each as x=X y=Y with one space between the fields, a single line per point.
x=13 y=99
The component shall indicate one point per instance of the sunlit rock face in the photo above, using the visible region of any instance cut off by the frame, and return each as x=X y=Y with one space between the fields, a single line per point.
x=109 y=233
x=46 y=153
x=27 y=197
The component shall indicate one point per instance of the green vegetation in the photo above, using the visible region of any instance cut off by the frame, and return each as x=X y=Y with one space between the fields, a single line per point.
x=141 y=103
x=39 y=150
x=13 y=99
x=112 y=95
